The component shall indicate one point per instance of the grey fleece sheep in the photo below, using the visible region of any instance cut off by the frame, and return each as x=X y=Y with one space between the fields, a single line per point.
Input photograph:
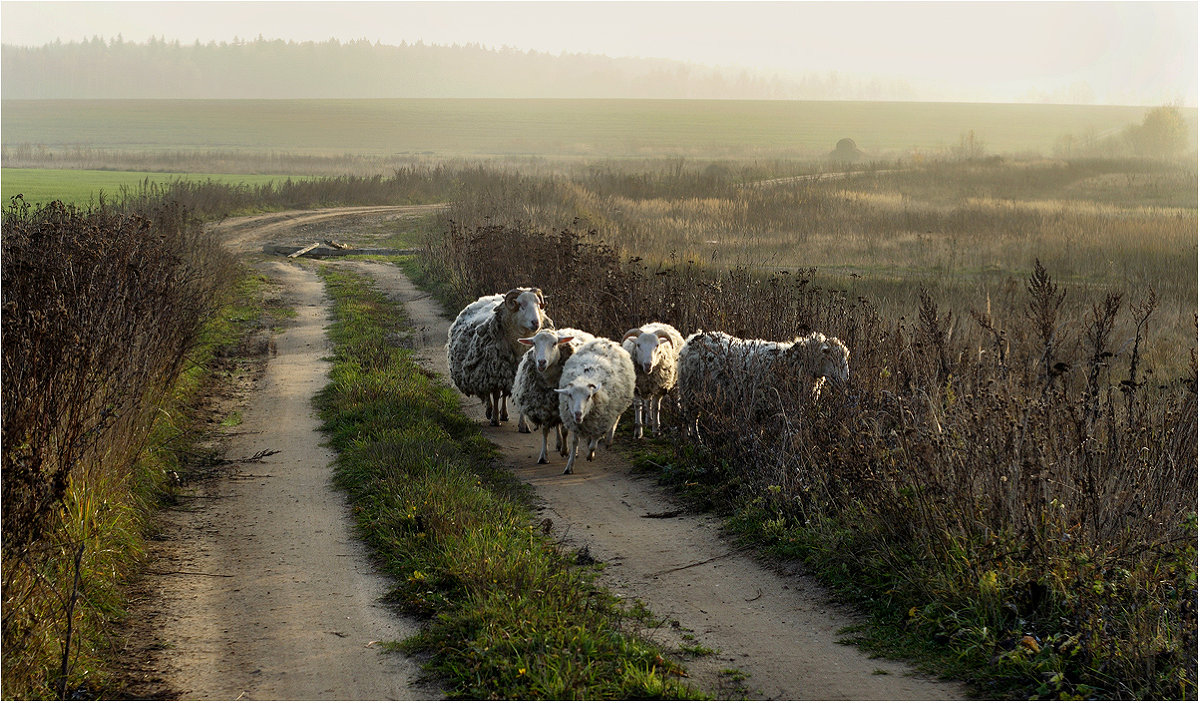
x=654 y=348
x=595 y=388
x=718 y=369
x=537 y=378
x=482 y=347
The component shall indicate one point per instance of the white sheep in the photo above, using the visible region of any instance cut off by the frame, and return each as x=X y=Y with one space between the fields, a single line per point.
x=595 y=388
x=654 y=348
x=717 y=369
x=482 y=347
x=537 y=378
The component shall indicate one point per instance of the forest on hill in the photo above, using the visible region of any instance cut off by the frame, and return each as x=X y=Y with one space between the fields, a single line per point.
x=274 y=68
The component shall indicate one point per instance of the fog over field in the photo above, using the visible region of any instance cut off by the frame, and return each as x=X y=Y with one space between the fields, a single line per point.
x=277 y=69
x=1122 y=53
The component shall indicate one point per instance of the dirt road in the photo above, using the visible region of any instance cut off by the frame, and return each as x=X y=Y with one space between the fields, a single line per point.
x=247 y=235
x=282 y=616
x=259 y=589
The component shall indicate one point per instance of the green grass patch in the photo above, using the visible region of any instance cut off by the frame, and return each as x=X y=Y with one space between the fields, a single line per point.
x=510 y=615
x=77 y=187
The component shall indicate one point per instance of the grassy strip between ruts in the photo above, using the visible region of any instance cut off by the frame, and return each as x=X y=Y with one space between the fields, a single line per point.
x=511 y=616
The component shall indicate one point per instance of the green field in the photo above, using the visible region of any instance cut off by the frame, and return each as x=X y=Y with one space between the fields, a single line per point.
x=83 y=187
x=563 y=128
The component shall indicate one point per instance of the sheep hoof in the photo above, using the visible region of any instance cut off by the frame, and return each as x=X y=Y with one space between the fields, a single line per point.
x=568 y=470
x=543 y=460
x=523 y=429
x=495 y=422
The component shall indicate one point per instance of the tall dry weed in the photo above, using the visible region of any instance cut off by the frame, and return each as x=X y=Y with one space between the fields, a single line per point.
x=100 y=310
x=1019 y=461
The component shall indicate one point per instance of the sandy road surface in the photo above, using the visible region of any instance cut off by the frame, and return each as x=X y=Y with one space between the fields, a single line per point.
x=246 y=235
x=294 y=618
x=296 y=607
x=259 y=589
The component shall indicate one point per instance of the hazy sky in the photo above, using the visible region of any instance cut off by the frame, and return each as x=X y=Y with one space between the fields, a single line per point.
x=1104 y=52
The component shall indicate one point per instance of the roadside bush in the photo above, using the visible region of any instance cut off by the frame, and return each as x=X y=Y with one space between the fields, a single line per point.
x=1012 y=482
x=100 y=311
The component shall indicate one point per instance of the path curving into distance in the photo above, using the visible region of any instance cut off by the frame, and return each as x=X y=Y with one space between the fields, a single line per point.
x=258 y=588
x=776 y=627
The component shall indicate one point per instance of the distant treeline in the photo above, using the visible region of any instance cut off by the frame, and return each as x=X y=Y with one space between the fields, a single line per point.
x=264 y=68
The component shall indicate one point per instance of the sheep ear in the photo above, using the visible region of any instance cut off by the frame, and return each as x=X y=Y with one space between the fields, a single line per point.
x=666 y=338
x=564 y=391
x=636 y=331
x=591 y=386
x=564 y=340
x=826 y=349
x=527 y=341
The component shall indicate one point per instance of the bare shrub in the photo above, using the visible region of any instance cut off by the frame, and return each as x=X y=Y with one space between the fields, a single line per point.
x=1002 y=466
x=100 y=310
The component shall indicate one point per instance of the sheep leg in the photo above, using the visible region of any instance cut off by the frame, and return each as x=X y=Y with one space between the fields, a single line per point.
x=560 y=443
x=504 y=407
x=638 y=410
x=545 y=440
x=656 y=415
x=571 y=458
x=612 y=432
x=487 y=406
x=494 y=414
x=521 y=426
x=592 y=444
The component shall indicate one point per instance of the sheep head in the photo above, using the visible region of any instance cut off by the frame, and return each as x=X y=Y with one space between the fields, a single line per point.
x=525 y=305
x=819 y=357
x=834 y=360
x=645 y=348
x=580 y=396
x=548 y=347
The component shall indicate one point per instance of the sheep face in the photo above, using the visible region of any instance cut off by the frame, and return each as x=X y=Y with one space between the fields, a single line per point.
x=646 y=348
x=547 y=347
x=580 y=397
x=525 y=305
x=834 y=360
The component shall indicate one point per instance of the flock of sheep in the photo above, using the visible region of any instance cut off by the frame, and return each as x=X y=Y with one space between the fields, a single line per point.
x=569 y=381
